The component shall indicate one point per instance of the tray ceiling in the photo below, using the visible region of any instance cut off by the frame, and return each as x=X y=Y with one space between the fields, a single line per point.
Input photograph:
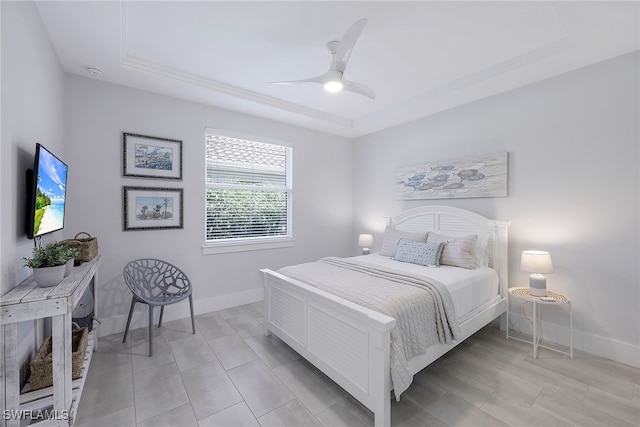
x=419 y=57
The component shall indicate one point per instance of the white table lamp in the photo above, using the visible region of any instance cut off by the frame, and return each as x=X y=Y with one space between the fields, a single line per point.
x=537 y=263
x=365 y=241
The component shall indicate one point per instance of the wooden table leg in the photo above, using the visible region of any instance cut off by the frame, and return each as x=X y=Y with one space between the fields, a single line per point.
x=11 y=373
x=535 y=330
x=61 y=355
x=95 y=310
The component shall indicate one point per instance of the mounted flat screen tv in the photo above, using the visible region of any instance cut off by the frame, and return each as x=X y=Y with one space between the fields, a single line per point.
x=47 y=194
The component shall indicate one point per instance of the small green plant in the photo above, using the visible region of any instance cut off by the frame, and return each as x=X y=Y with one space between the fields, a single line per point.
x=68 y=251
x=51 y=255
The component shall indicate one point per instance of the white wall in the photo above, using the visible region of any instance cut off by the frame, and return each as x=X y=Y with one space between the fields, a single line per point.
x=574 y=189
x=32 y=101
x=95 y=115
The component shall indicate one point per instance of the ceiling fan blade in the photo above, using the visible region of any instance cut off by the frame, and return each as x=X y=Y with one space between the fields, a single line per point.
x=318 y=79
x=359 y=89
x=345 y=47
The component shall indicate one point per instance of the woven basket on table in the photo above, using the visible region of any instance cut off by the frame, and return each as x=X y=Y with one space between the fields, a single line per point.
x=42 y=363
x=88 y=246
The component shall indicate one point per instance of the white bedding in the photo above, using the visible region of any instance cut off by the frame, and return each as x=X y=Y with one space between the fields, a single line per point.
x=469 y=289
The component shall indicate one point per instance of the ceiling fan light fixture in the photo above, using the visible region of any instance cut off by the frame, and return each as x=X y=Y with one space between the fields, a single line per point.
x=333 y=86
x=333 y=80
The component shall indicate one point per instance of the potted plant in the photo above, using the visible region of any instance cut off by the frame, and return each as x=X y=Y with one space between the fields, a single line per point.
x=71 y=254
x=49 y=263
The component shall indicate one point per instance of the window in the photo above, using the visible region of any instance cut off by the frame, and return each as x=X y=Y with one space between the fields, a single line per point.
x=248 y=194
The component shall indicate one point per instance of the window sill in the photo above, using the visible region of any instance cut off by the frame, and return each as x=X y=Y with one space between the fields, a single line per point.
x=253 y=245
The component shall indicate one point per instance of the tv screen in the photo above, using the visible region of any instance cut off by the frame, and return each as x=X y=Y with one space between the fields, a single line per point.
x=47 y=194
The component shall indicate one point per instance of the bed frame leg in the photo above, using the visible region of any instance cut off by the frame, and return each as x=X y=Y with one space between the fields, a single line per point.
x=382 y=417
x=265 y=305
x=503 y=321
x=380 y=378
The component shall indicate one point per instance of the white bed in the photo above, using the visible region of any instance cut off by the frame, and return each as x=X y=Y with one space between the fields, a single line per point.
x=351 y=343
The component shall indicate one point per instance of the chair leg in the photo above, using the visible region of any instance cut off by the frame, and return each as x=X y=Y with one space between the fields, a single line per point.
x=150 y=330
x=161 y=313
x=193 y=321
x=126 y=330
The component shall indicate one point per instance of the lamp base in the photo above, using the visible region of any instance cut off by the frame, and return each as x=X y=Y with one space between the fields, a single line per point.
x=366 y=251
x=538 y=285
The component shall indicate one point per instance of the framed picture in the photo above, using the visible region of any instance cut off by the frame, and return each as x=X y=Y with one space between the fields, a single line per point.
x=478 y=176
x=146 y=208
x=151 y=157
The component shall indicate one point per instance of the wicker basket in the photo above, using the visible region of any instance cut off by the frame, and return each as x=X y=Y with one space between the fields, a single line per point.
x=42 y=363
x=88 y=246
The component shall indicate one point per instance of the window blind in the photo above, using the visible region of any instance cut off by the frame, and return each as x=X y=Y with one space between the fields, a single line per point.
x=248 y=189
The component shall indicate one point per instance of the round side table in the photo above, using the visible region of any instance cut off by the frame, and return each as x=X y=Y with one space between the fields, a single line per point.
x=553 y=298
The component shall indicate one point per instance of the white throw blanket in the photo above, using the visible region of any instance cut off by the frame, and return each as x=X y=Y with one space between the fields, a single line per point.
x=423 y=308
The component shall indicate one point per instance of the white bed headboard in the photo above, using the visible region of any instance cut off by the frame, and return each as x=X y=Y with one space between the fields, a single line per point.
x=447 y=218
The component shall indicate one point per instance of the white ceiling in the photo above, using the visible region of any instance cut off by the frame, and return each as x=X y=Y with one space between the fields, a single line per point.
x=419 y=57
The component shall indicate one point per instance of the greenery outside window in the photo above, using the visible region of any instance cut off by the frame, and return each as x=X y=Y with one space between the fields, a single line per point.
x=248 y=194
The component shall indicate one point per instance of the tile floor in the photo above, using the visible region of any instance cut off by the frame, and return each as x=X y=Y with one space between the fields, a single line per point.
x=230 y=374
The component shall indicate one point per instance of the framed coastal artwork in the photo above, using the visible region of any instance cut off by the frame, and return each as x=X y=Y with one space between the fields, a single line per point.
x=151 y=157
x=146 y=208
x=477 y=176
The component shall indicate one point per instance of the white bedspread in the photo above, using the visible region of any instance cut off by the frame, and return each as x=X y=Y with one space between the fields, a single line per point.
x=469 y=289
x=422 y=307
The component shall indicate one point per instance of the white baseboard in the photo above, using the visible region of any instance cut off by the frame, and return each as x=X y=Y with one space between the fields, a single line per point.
x=180 y=310
x=618 y=351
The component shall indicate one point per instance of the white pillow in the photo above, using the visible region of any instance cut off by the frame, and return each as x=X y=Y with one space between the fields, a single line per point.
x=459 y=251
x=480 y=251
x=391 y=237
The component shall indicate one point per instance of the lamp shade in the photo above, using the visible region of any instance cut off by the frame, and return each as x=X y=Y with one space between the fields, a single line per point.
x=536 y=262
x=365 y=240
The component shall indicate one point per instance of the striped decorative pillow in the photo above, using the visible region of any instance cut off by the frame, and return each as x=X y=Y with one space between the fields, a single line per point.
x=458 y=250
x=392 y=236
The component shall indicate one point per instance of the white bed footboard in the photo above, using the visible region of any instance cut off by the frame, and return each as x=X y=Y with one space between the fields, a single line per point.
x=348 y=342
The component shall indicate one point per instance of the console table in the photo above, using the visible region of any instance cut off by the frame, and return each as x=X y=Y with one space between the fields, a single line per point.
x=28 y=302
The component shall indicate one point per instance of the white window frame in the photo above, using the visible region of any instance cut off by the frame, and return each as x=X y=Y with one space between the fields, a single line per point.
x=250 y=243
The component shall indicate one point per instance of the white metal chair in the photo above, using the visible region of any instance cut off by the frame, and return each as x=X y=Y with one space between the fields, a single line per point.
x=156 y=283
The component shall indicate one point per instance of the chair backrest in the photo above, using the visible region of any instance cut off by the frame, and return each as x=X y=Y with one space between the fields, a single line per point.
x=148 y=277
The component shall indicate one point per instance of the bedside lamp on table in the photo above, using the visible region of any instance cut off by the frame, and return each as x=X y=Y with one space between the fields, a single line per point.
x=537 y=263
x=365 y=241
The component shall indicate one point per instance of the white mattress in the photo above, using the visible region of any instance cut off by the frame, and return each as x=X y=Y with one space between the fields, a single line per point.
x=469 y=289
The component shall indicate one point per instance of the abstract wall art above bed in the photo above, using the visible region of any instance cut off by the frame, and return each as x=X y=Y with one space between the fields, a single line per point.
x=478 y=176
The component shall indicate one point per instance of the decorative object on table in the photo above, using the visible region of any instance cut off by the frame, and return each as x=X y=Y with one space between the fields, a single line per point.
x=537 y=263
x=478 y=176
x=147 y=208
x=83 y=313
x=87 y=246
x=49 y=263
x=42 y=363
x=156 y=283
x=68 y=267
x=365 y=241
x=151 y=157
x=71 y=253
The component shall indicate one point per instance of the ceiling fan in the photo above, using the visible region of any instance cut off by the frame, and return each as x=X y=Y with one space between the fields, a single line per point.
x=333 y=80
